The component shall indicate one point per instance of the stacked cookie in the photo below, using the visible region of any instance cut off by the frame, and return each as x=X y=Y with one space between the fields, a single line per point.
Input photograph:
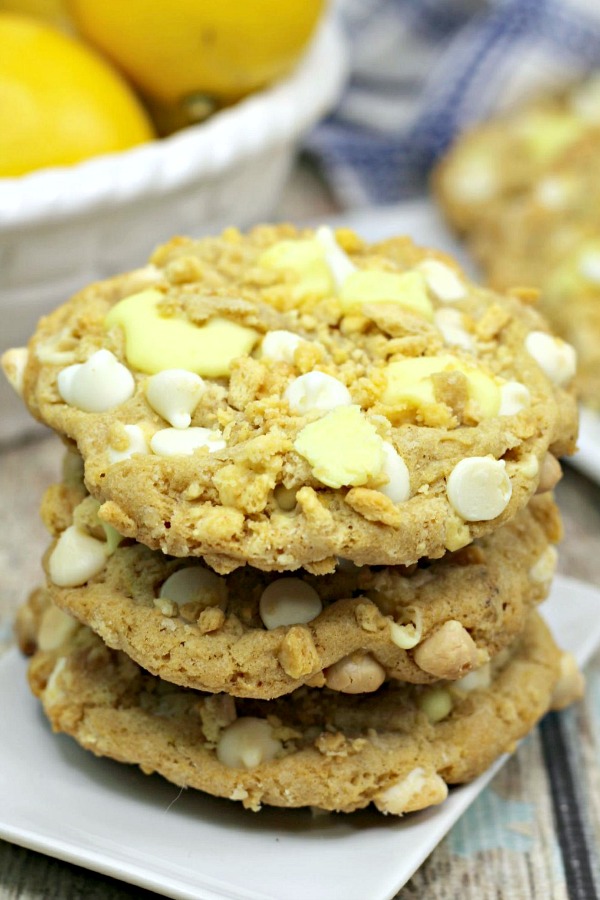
x=304 y=522
x=524 y=189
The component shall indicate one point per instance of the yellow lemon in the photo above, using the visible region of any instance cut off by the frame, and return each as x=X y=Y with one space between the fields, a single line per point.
x=221 y=48
x=59 y=101
x=51 y=10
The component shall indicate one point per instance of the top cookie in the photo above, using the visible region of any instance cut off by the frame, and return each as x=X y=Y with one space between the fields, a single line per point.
x=284 y=398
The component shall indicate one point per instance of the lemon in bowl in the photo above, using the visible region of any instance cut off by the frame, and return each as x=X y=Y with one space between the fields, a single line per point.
x=185 y=55
x=60 y=102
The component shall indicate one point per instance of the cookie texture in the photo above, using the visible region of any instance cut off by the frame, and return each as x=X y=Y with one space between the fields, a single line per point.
x=397 y=748
x=550 y=238
x=496 y=160
x=258 y=634
x=541 y=229
x=285 y=398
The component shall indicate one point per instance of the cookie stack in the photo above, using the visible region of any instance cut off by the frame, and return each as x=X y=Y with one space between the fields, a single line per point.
x=305 y=519
x=523 y=190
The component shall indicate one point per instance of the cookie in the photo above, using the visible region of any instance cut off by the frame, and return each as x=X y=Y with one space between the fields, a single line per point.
x=398 y=748
x=495 y=161
x=549 y=237
x=286 y=398
x=261 y=635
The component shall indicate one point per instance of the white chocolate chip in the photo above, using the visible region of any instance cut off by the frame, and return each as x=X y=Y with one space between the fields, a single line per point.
x=137 y=444
x=316 y=392
x=55 y=628
x=555 y=357
x=479 y=489
x=358 y=673
x=477 y=680
x=113 y=538
x=529 y=465
x=475 y=181
x=396 y=471
x=194 y=584
x=76 y=558
x=340 y=264
x=416 y=790
x=514 y=397
x=442 y=281
x=174 y=395
x=280 y=346
x=289 y=601
x=13 y=364
x=247 y=743
x=551 y=193
x=53 y=692
x=542 y=571
x=589 y=266
x=407 y=633
x=183 y=442
x=450 y=323
x=285 y=497
x=436 y=703
x=97 y=385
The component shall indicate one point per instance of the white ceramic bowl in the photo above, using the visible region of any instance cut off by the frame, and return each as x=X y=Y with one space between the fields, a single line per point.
x=62 y=228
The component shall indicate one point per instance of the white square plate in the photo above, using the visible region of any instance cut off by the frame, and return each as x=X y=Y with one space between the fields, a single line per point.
x=60 y=800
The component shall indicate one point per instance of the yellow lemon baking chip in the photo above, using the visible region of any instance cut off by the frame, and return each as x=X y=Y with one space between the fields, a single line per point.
x=407 y=289
x=154 y=342
x=409 y=382
x=342 y=448
x=305 y=261
x=547 y=134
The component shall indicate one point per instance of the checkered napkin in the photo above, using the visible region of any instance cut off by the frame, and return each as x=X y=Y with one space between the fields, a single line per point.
x=421 y=70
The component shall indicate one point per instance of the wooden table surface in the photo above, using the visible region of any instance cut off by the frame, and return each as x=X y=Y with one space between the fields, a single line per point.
x=506 y=845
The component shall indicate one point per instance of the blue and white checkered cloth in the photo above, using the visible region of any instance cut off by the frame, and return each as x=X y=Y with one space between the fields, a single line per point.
x=421 y=70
